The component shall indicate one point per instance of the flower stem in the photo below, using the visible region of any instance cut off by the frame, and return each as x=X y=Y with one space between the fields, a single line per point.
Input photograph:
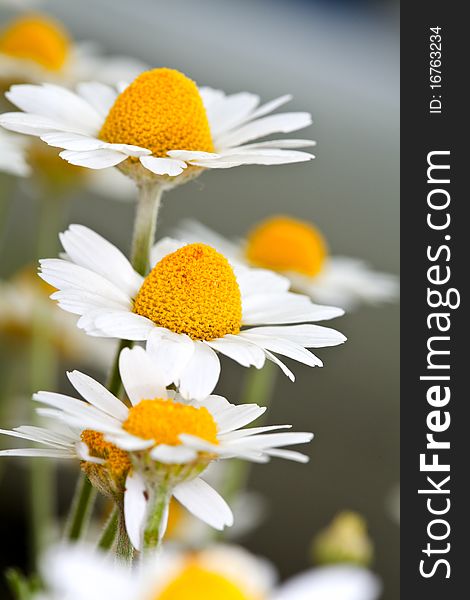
x=258 y=388
x=124 y=548
x=158 y=506
x=145 y=223
x=43 y=375
x=109 y=532
x=81 y=508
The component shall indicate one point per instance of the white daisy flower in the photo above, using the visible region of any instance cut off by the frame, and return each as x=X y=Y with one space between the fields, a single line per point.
x=219 y=572
x=160 y=442
x=298 y=250
x=12 y=155
x=158 y=128
x=192 y=305
x=22 y=296
x=38 y=48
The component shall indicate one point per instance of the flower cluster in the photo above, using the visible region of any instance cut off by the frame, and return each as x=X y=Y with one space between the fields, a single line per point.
x=148 y=438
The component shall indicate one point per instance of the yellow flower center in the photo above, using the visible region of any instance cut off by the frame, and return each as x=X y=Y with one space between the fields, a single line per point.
x=161 y=110
x=164 y=421
x=284 y=244
x=117 y=461
x=192 y=291
x=198 y=583
x=37 y=38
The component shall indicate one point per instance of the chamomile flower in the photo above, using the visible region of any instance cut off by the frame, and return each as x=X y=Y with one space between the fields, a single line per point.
x=37 y=48
x=161 y=127
x=298 y=250
x=161 y=441
x=21 y=296
x=216 y=573
x=192 y=305
x=12 y=154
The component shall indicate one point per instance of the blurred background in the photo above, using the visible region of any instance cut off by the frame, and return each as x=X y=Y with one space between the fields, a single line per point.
x=340 y=61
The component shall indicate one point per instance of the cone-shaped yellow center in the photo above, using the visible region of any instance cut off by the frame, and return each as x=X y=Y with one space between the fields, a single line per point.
x=287 y=245
x=198 y=583
x=37 y=38
x=164 y=421
x=192 y=291
x=161 y=110
x=117 y=461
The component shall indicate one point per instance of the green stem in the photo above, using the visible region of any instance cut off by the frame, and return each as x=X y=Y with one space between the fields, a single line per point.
x=258 y=389
x=158 y=512
x=109 y=532
x=81 y=508
x=124 y=548
x=145 y=222
x=43 y=375
x=145 y=225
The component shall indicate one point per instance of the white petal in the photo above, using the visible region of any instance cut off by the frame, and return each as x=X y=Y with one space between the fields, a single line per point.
x=36 y=125
x=237 y=349
x=283 y=122
x=284 y=347
x=163 y=166
x=98 y=95
x=289 y=455
x=94 y=159
x=229 y=111
x=309 y=336
x=273 y=358
x=88 y=249
x=135 y=508
x=171 y=352
x=201 y=373
x=204 y=502
x=39 y=435
x=40 y=452
x=98 y=395
x=125 y=325
x=56 y=102
x=186 y=155
x=173 y=454
x=129 y=442
x=271 y=440
x=254 y=282
x=344 y=582
x=141 y=375
x=228 y=160
x=281 y=143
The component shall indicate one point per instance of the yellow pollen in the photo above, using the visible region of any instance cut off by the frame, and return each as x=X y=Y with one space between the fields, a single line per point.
x=192 y=291
x=37 y=38
x=117 y=461
x=164 y=421
x=287 y=245
x=195 y=582
x=161 y=110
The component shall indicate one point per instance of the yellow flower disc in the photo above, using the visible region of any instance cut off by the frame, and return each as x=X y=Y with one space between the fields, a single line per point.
x=287 y=245
x=192 y=291
x=164 y=421
x=37 y=38
x=117 y=460
x=161 y=110
x=197 y=583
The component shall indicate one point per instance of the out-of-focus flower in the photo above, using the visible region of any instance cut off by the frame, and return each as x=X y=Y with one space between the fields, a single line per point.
x=20 y=298
x=161 y=445
x=345 y=540
x=192 y=305
x=38 y=48
x=161 y=127
x=217 y=573
x=13 y=155
x=298 y=250
x=342 y=582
